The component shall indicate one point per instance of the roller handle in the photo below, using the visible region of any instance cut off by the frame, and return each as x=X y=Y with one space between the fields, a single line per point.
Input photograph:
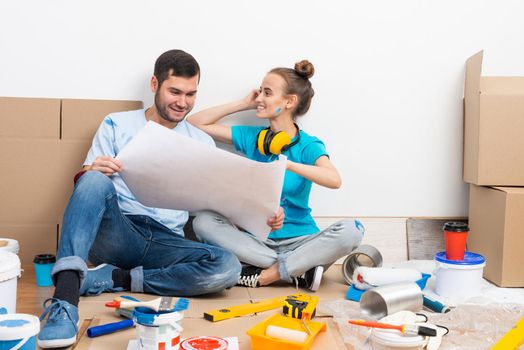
x=109 y=328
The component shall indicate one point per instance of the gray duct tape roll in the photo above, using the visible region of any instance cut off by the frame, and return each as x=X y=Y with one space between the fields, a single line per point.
x=364 y=255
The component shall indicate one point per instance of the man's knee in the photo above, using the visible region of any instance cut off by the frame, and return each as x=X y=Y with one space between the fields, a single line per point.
x=95 y=182
x=227 y=271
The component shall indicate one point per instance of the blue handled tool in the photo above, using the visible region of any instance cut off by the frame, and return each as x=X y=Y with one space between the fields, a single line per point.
x=109 y=328
x=435 y=305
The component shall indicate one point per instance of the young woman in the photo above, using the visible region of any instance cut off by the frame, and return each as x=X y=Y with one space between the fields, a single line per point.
x=296 y=250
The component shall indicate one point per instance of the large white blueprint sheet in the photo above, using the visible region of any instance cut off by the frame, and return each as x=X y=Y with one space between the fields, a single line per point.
x=165 y=169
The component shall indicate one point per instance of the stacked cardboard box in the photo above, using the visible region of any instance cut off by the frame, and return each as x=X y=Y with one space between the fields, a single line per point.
x=494 y=167
x=43 y=143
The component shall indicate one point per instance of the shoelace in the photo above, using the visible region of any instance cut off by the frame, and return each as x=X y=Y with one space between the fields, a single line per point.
x=248 y=281
x=302 y=276
x=55 y=308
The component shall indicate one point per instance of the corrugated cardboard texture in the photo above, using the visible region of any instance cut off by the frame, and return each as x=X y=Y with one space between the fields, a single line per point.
x=496 y=218
x=494 y=125
x=40 y=166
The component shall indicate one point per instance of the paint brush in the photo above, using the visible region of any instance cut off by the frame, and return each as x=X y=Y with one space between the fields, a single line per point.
x=411 y=329
x=159 y=304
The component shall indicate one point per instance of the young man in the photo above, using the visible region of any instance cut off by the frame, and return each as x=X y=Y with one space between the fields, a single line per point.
x=135 y=248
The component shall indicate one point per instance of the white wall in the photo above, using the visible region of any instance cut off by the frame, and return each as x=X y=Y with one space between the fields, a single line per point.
x=389 y=75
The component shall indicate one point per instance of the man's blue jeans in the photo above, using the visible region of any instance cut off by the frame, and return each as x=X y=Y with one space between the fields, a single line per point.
x=161 y=262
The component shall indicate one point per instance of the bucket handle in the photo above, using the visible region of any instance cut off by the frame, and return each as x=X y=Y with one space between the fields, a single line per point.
x=20 y=344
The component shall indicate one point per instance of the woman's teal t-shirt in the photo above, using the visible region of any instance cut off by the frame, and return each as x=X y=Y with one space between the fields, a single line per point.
x=295 y=194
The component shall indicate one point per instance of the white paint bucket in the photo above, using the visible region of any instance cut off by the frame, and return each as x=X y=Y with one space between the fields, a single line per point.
x=9 y=273
x=459 y=278
x=157 y=330
x=389 y=339
x=18 y=331
x=9 y=245
x=383 y=340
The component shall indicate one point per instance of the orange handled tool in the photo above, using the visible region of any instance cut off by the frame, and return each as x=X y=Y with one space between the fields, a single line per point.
x=412 y=329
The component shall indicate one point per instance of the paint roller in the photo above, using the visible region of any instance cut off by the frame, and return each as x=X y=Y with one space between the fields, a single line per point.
x=286 y=334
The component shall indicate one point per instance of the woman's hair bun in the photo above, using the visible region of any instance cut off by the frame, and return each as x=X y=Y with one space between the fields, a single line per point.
x=305 y=69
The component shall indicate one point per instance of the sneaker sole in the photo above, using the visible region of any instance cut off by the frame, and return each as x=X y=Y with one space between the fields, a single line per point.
x=56 y=343
x=317 y=278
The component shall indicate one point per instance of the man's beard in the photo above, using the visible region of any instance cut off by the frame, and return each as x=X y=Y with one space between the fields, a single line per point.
x=163 y=111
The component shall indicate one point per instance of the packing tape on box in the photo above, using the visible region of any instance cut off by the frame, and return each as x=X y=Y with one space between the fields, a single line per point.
x=363 y=255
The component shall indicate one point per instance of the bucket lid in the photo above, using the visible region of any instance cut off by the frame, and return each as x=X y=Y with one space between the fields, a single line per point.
x=394 y=337
x=204 y=343
x=148 y=317
x=469 y=259
x=18 y=326
x=9 y=266
x=10 y=245
x=454 y=226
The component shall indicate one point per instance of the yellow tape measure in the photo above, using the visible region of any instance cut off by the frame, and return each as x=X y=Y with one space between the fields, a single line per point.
x=295 y=304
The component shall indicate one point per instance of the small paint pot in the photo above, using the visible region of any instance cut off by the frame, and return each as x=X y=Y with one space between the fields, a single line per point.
x=157 y=330
x=459 y=278
x=18 y=331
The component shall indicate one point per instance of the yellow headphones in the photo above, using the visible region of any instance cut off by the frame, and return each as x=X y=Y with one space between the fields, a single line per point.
x=274 y=143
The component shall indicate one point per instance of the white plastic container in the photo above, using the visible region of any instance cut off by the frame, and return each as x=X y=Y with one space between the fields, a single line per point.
x=459 y=278
x=18 y=331
x=385 y=340
x=388 y=339
x=9 y=245
x=9 y=273
x=157 y=330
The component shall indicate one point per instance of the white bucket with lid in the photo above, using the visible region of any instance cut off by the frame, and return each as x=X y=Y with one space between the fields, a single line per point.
x=390 y=339
x=459 y=278
x=9 y=273
x=9 y=245
x=18 y=331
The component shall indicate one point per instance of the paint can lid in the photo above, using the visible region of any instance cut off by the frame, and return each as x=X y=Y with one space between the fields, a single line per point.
x=204 y=343
x=18 y=326
x=9 y=266
x=469 y=259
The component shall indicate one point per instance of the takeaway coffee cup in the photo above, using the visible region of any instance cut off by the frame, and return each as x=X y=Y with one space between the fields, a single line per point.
x=43 y=265
x=455 y=235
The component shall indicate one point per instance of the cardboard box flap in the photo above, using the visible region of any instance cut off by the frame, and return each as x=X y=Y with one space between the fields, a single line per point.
x=502 y=85
x=510 y=190
x=473 y=72
x=29 y=118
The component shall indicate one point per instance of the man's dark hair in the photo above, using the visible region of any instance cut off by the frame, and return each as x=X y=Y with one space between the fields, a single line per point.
x=175 y=62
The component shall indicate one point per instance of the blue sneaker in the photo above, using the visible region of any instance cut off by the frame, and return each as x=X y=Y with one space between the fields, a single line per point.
x=99 y=280
x=61 y=326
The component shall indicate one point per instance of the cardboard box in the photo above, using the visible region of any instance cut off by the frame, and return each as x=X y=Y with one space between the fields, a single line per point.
x=496 y=219
x=494 y=125
x=43 y=143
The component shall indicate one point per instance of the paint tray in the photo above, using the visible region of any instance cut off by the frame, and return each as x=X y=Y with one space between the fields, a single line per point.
x=260 y=341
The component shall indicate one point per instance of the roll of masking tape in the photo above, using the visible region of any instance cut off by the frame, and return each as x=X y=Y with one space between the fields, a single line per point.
x=286 y=334
x=363 y=255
